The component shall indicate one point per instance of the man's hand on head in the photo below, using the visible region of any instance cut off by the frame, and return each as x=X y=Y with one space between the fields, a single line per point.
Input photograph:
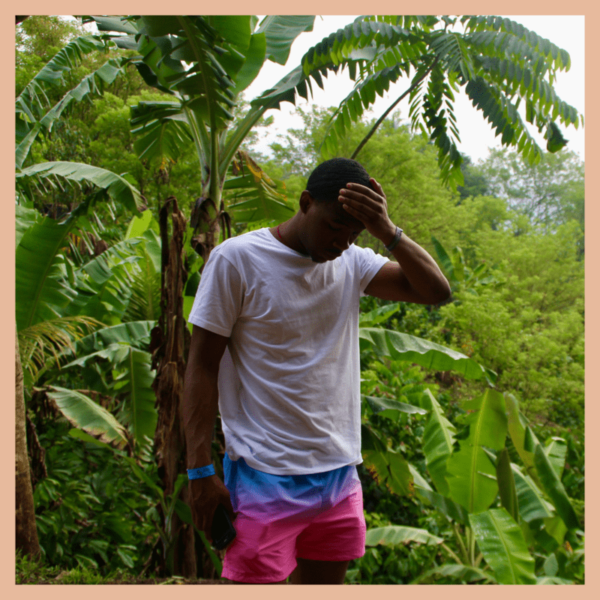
x=369 y=206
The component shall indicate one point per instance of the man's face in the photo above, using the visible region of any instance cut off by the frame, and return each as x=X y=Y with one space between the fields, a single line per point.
x=327 y=230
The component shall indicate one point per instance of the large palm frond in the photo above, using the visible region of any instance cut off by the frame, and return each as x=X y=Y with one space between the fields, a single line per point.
x=44 y=345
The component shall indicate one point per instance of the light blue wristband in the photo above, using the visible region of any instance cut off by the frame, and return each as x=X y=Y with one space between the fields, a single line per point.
x=201 y=472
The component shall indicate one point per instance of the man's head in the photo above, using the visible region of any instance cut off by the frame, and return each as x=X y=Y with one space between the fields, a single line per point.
x=326 y=229
x=326 y=181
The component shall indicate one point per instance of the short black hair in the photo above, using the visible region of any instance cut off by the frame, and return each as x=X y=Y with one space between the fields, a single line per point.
x=326 y=181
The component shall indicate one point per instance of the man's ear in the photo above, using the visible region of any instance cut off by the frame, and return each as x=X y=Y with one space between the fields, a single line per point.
x=305 y=201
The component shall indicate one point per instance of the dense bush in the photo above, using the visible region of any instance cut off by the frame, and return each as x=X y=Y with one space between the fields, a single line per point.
x=91 y=510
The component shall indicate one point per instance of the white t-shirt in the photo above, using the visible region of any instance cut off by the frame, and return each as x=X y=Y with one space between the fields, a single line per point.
x=289 y=382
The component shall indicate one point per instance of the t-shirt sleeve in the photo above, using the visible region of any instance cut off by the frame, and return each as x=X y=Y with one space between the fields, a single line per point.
x=219 y=297
x=369 y=264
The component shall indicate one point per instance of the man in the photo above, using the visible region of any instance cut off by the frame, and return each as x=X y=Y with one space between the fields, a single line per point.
x=275 y=347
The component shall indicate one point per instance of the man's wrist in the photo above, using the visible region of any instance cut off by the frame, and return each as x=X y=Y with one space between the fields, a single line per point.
x=388 y=237
x=395 y=240
x=201 y=472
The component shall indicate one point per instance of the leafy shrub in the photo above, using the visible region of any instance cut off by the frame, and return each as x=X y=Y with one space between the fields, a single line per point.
x=91 y=509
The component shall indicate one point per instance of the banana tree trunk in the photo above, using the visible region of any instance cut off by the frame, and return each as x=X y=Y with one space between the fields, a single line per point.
x=170 y=340
x=206 y=219
x=26 y=531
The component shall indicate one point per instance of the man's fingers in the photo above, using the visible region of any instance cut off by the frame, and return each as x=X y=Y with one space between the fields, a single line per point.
x=355 y=213
x=359 y=201
x=378 y=187
x=229 y=508
x=367 y=209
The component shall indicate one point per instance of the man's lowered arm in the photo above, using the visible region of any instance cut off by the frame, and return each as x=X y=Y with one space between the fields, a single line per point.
x=200 y=405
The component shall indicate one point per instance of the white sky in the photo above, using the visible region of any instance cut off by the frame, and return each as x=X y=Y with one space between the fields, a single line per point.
x=477 y=136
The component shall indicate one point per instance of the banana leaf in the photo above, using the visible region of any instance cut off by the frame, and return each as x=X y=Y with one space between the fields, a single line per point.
x=427 y=354
x=502 y=544
x=506 y=485
x=251 y=195
x=42 y=289
x=461 y=573
x=556 y=528
x=139 y=224
x=116 y=186
x=445 y=505
x=471 y=475
x=419 y=481
x=140 y=401
x=531 y=501
x=393 y=535
x=134 y=333
x=556 y=451
x=104 y=284
x=553 y=581
x=161 y=130
x=91 y=85
x=385 y=407
x=379 y=315
x=281 y=31
x=471 y=478
x=438 y=441
x=25 y=219
x=390 y=468
x=517 y=426
x=554 y=488
x=487 y=420
x=89 y=416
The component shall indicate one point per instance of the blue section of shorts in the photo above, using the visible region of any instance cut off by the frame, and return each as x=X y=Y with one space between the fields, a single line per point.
x=262 y=494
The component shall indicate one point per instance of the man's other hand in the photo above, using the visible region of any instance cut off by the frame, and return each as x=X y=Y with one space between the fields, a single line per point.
x=205 y=495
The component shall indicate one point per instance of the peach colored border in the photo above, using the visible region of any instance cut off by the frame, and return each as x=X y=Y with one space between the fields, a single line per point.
x=577 y=7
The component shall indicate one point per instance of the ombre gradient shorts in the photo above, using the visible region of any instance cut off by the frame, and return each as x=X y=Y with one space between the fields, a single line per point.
x=283 y=517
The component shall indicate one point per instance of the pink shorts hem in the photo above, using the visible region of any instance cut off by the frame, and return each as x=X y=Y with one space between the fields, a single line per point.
x=229 y=573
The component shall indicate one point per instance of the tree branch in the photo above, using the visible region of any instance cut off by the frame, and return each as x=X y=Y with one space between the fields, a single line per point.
x=387 y=112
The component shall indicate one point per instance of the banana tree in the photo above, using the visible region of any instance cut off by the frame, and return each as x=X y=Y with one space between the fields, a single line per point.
x=34 y=112
x=204 y=64
x=499 y=511
x=59 y=304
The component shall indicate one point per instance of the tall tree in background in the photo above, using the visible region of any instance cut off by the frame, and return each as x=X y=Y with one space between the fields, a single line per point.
x=500 y=64
x=550 y=192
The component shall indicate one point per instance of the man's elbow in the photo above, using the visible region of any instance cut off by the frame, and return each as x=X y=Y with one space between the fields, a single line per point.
x=441 y=293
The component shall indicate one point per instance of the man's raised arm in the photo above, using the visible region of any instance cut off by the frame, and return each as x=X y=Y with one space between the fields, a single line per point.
x=415 y=277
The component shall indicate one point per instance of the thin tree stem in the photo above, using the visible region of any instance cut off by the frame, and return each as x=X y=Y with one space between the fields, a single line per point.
x=461 y=543
x=451 y=553
x=393 y=105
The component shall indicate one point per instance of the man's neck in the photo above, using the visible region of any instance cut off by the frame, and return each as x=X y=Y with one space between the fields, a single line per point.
x=287 y=234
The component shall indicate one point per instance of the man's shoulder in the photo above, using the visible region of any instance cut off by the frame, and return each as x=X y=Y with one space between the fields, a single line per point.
x=355 y=252
x=241 y=244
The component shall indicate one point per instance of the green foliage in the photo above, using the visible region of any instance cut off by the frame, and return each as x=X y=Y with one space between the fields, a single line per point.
x=478 y=434
x=100 y=511
x=503 y=546
x=79 y=507
x=529 y=329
